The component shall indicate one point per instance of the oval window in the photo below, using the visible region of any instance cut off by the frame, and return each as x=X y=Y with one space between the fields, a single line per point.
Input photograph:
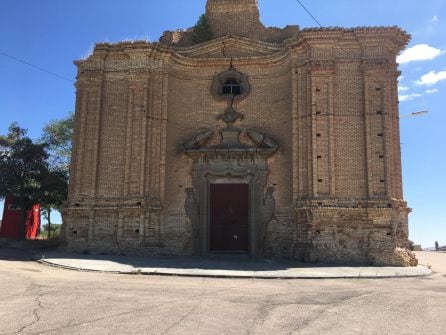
x=230 y=85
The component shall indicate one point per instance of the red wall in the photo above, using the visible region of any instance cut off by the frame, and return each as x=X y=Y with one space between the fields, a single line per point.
x=11 y=221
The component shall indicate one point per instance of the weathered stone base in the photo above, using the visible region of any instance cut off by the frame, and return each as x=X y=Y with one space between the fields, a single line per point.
x=129 y=230
x=402 y=257
x=372 y=233
x=317 y=234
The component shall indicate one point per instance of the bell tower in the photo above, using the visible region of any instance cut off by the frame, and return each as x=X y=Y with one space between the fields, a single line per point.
x=237 y=17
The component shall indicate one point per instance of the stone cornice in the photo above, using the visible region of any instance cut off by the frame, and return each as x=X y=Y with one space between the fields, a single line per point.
x=260 y=53
x=125 y=49
x=317 y=67
x=392 y=37
x=358 y=203
x=317 y=43
x=376 y=67
x=145 y=56
x=358 y=31
x=256 y=46
x=269 y=60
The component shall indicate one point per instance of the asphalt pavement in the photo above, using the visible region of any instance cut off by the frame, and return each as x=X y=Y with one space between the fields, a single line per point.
x=41 y=299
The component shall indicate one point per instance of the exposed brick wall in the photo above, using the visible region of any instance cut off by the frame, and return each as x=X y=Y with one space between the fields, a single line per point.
x=233 y=17
x=328 y=97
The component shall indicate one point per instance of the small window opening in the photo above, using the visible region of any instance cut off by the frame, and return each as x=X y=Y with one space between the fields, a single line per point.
x=379 y=112
x=318 y=90
x=232 y=87
x=382 y=181
x=381 y=156
x=74 y=232
x=380 y=134
x=136 y=231
x=318 y=113
x=320 y=180
x=318 y=135
x=319 y=157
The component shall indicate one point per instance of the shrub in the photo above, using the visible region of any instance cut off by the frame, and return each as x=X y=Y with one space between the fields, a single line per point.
x=202 y=30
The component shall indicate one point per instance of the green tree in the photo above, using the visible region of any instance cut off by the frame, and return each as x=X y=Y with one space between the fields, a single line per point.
x=46 y=229
x=54 y=193
x=58 y=136
x=202 y=30
x=23 y=170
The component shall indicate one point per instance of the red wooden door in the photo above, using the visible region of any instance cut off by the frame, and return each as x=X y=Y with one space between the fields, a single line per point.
x=229 y=215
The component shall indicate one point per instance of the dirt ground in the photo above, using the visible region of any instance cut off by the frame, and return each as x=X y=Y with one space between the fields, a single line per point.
x=37 y=299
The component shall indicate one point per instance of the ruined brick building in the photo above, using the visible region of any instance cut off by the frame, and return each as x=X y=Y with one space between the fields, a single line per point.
x=266 y=141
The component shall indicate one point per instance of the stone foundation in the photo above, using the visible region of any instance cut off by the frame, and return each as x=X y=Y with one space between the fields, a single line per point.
x=349 y=236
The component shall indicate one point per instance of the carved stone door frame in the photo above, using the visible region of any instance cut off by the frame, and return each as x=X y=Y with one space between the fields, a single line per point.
x=240 y=171
x=230 y=161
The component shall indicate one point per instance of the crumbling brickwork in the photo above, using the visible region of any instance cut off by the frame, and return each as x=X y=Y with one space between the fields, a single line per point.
x=319 y=127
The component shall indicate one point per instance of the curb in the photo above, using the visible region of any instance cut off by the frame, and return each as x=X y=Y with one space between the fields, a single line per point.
x=223 y=276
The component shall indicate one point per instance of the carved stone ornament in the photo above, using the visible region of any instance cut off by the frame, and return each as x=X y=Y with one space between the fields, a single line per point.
x=230 y=115
x=191 y=206
x=192 y=209
x=198 y=141
x=269 y=206
x=268 y=211
x=217 y=88
x=230 y=145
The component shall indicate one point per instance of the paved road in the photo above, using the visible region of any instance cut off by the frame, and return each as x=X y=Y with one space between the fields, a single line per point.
x=36 y=299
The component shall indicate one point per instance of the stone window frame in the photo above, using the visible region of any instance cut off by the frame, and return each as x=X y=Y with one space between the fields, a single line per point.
x=221 y=78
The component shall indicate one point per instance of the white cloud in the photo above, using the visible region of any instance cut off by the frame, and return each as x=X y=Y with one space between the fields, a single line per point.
x=408 y=97
x=432 y=91
x=432 y=78
x=419 y=52
x=403 y=88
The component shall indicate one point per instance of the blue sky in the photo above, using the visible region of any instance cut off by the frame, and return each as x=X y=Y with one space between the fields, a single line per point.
x=53 y=33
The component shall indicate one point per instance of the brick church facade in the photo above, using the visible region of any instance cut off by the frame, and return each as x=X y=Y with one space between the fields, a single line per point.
x=266 y=141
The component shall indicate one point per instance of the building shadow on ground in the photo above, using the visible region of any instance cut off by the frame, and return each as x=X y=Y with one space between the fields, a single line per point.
x=211 y=262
